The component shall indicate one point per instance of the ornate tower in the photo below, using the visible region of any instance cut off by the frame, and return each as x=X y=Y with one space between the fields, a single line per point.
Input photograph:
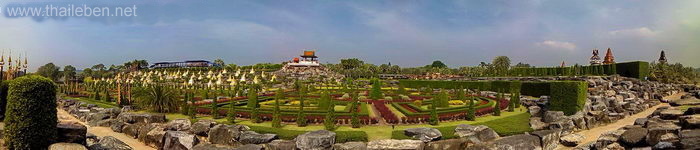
x=595 y=59
x=609 y=59
x=662 y=58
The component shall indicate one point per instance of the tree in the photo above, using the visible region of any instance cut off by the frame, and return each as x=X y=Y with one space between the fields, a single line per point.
x=253 y=105
x=214 y=107
x=438 y=64
x=522 y=65
x=355 y=119
x=30 y=121
x=441 y=100
x=460 y=94
x=351 y=63
x=329 y=121
x=219 y=62
x=157 y=97
x=276 y=118
x=511 y=103
x=501 y=65
x=402 y=90
x=69 y=73
x=107 y=97
x=193 y=107
x=376 y=92
x=98 y=70
x=87 y=73
x=301 y=116
x=50 y=71
x=471 y=116
x=434 y=120
x=497 y=107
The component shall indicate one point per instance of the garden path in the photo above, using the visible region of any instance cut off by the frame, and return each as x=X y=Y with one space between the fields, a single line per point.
x=104 y=131
x=592 y=135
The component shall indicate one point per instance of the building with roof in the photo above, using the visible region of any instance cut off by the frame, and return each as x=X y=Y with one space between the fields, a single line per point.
x=184 y=64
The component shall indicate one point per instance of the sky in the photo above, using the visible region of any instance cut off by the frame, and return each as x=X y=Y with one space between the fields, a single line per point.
x=402 y=32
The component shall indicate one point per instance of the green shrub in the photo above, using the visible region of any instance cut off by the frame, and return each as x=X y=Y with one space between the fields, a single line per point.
x=376 y=91
x=341 y=136
x=568 y=96
x=4 y=87
x=536 y=89
x=31 y=113
x=636 y=69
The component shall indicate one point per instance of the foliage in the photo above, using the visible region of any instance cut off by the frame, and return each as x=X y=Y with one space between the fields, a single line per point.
x=355 y=118
x=376 y=91
x=673 y=73
x=461 y=94
x=471 y=111
x=497 y=107
x=329 y=121
x=324 y=101
x=401 y=90
x=50 y=71
x=501 y=65
x=276 y=118
x=4 y=87
x=568 y=96
x=157 y=97
x=438 y=64
x=215 y=108
x=69 y=73
x=441 y=100
x=433 y=116
x=511 y=125
x=341 y=136
x=30 y=121
x=193 y=108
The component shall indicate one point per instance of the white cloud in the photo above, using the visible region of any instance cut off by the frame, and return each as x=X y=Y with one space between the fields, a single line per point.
x=557 y=45
x=635 y=32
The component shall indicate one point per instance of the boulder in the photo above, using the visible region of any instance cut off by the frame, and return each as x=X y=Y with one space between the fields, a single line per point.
x=478 y=133
x=67 y=146
x=226 y=134
x=690 y=121
x=641 y=121
x=608 y=138
x=280 y=145
x=249 y=147
x=634 y=137
x=179 y=140
x=110 y=143
x=537 y=124
x=586 y=146
x=143 y=131
x=71 y=132
x=571 y=140
x=657 y=130
x=520 y=141
x=686 y=101
x=350 y=146
x=179 y=125
x=690 y=139
x=579 y=120
x=252 y=137
x=449 y=144
x=535 y=111
x=423 y=134
x=104 y=123
x=155 y=137
x=549 y=138
x=552 y=116
x=670 y=114
x=207 y=146
x=201 y=127
x=316 y=140
x=664 y=145
x=392 y=144
x=614 y=146
x=692 y=111
x=132 y=129
x=130 y=117
x=117 y=126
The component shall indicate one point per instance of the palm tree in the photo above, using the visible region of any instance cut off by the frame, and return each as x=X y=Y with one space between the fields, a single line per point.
x=158 y=98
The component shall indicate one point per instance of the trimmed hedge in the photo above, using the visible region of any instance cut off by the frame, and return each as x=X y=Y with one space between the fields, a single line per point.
x=568 y=96
x=31 y=113
x=481 y=85
x=536 y=89
x=636 y=69
x=341 y=136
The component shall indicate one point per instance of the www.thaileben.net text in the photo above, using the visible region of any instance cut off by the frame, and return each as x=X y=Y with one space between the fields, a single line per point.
x=69 y=10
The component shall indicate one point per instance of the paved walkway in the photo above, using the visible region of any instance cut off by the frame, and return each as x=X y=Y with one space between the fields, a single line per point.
x=104 y=131
x=593 y=134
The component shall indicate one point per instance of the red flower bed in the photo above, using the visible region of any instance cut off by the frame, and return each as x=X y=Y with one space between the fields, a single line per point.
x=385 y=112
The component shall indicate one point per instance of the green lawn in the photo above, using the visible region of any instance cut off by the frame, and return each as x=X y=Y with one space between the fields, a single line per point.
x=102 y=104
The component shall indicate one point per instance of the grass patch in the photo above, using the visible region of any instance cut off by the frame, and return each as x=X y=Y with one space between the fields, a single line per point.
x=510 y=123
x=102 y=104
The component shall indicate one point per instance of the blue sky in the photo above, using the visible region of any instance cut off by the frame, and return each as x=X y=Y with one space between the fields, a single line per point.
x=407 y=33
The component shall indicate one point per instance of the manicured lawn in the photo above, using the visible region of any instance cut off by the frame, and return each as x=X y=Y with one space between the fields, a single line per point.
x=102 y=104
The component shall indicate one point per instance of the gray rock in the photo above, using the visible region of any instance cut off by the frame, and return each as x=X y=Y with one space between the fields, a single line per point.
x=226 y=134
x=132 y=129
x=130 y=117
x=109 y=143
x=392 y=144
x=664 y=145
x=571 y=140
x=537 y=124
x=202 y=127
x=143 y=131
x=586 y=146
x=690 y=139
x=475 y=134
x=670 y=114
x=520 y=141
x=350 y=146
x=281 y=145
x=449 y=144
x=117 y=126
x=207 y=146
x=104 y=123
x=67 y=146
x=579 y=120
x=71 y=133
x=552 y=116
x=252 y=137
x=690 y=121
x=634 y=137
x=535 y=111
x=614 y=146
x=608 y=138
x=657 y=130
x=179 y=140
x=155 y=137
x=692 y=111
x=549 y=138
x=249 y=147
x=423 y=134
x=316 y=140
x=641 y=121
x=179 y=125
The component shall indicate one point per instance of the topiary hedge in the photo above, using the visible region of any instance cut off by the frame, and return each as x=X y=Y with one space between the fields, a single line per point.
x=341 y=136
x=568 y=96
x=536 y=89
x=636 y=69
x=30 y=121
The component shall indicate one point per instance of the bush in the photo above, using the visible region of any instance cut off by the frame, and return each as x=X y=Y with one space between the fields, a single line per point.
x=341 y=136
x=636 y=69
x=568 y=96
x=31 y=113
x=376 y=91
x=4 y=86
x=535 y=88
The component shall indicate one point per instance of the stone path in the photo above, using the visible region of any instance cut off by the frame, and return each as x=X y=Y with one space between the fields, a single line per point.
x=104 y=131
x=593 y=134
